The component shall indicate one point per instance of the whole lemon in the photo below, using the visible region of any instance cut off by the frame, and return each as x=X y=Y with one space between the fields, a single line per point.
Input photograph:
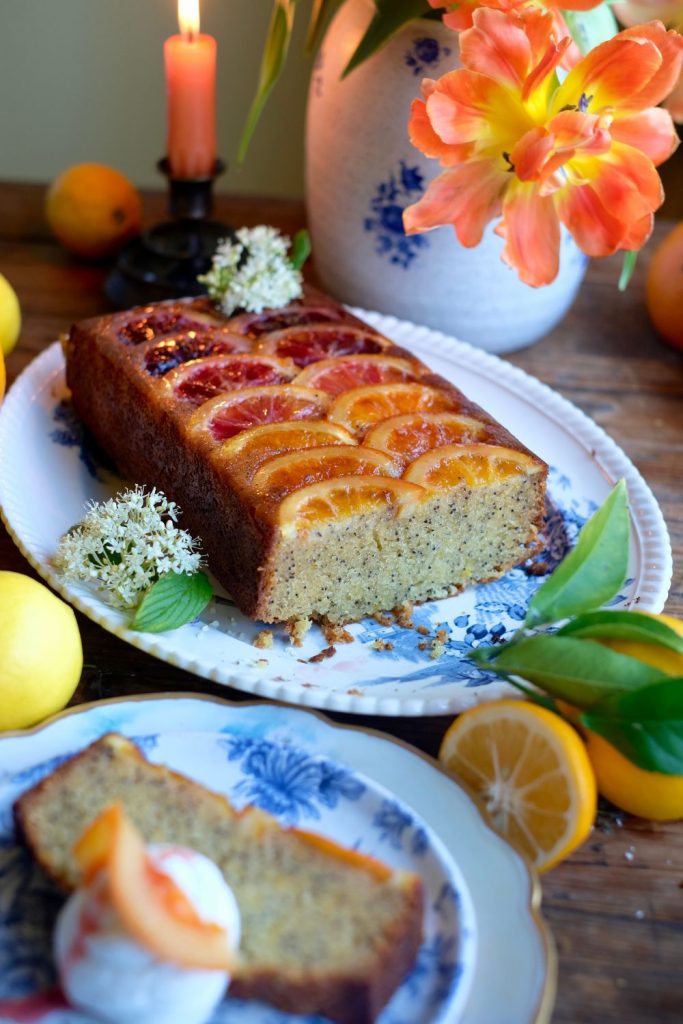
x=10 y=316
x=93 y=209
x=648 y=794
x=42 y=656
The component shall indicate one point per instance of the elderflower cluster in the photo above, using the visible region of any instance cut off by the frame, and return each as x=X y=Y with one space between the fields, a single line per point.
x=253 y=272
x=125 y=545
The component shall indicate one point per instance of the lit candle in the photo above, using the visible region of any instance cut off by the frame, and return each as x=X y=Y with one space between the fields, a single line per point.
x=190 y=60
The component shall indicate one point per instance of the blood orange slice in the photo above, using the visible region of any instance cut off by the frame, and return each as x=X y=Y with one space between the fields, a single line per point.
x=473 y=464
x=258 y=324
x=164 y=355
x=414 y=433
x=360 y=408
x=346 y=372
x=202 y=379
x=227 y=415
x=286 y=473
x=251 y=448
x=307 y=345
x=338 y=499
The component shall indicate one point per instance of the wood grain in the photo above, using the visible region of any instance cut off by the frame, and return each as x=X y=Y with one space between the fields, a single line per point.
x=616 y=906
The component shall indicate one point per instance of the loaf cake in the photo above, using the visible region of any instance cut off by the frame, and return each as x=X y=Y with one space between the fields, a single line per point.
x=328 y=472
x=325 y=930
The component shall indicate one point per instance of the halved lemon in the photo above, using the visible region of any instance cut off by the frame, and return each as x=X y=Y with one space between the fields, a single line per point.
x=531 y=770
x=471 y=464
x=414 y=433
x=360 y=408
x=345 y=372
x=227 y=415
x=285 y=473
x=342 y=497
x=251 y=448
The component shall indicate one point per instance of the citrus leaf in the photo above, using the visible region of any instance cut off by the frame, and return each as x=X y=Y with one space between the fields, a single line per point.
x=301 y=249
x=272 y=64
x=593 y=572
x=646 y=725
x=579 y=671
x=628 y=266
x=632 y=626
x=175 y=598
x=390 y=16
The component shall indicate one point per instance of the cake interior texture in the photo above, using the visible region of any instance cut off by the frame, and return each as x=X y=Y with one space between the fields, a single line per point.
x=320 y=933
x=198 y=411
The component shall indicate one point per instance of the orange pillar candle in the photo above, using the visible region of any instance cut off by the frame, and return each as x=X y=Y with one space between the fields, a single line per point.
x=190 y=60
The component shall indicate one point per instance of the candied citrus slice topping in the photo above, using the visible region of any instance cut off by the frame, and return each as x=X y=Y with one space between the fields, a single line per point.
x=471 y=464
x=415 y=433
x=361 y=408
x=532 y=771
x=345 y=372
x=202 y=379
x=322 y=341
x=285 y=473
x=227 y=415
x=258 y=324
x=251 y=448
x=164 y=355
x=342 y=497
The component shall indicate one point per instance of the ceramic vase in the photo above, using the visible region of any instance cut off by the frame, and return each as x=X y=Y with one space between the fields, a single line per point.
x=362 y=171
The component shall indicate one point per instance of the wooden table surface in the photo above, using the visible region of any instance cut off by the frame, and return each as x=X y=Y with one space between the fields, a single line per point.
x=616 y=906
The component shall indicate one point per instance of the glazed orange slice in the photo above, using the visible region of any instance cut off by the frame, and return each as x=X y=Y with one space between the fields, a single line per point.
x=286 y=473
x=411 y=435
x=311 y=343
x=203 y=379
x=343 y=497
x=249 y=449
x=361 y=408
x=345 y=372
x=227 y=415
x=474 y=465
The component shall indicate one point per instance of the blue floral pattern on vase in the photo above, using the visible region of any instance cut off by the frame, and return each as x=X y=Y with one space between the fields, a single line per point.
x=385 y=222
x=289 y=782
x=425 y=54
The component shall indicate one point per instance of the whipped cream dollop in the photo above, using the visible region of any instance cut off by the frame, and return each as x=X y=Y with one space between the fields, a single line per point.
x=107 y=973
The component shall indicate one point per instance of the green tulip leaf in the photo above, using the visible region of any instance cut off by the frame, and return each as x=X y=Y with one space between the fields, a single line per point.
x=593 y=573
x=272 y=64
x=175 y=598
x=633 y=626
x=645 y=725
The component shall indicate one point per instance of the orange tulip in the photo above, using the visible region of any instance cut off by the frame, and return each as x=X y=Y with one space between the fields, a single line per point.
x=631 y=12
x=518 y=145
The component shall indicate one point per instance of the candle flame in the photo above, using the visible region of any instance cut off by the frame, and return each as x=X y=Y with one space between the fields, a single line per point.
x=188 y=18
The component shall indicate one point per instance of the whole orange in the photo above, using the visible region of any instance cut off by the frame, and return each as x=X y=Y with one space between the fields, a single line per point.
x=93 y=209
x=664 y=288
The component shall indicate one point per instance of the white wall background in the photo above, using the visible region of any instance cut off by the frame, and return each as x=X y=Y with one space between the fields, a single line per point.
x=84 y=80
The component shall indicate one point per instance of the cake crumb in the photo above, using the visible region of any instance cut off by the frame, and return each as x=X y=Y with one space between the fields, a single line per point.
x=354 y=692
x=264 y=639
x=381 y=645
x=261 y=663
x=335 y=634
x=327 y=652
x=438 y=644
x=537 y=569
x=404 y=615
x=423 y=645
x=297 y=630
x=423 y=630
x=383 y=618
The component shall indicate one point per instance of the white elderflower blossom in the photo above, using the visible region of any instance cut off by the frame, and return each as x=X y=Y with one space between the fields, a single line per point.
x=253 y=272
x=126 y=543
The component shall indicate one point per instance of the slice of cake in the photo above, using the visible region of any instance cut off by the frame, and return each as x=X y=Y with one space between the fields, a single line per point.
x=329 y=473
x=325 y=930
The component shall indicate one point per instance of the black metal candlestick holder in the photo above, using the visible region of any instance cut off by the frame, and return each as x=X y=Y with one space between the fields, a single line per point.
x=164 y=262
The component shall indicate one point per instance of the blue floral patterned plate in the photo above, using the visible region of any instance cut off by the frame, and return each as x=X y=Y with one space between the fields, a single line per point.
x=486 y=956
x=386 y=670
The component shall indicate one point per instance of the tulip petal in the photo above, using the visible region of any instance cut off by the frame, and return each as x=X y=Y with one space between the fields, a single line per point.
x=467 y=197
x=670 y=45
x=611 y=75
x=674 y=103
x=625 y=182
x=595 y=230
x=468 y=107
x=651 y=131
x=497 y=46
x=638 y=234
x=424 y=138
x=531 y=228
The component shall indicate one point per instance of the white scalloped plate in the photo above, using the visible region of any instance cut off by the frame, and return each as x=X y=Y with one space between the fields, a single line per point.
x=47 y=474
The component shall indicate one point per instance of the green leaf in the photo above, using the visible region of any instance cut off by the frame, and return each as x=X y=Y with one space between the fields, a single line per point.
x=646 y=725
x=319 y=15
x=589 y=28
x=272 y=64
x=593 y=572
x=175 y=598
x=581 y=672
x=632 y=626
x=390 y=16
x=629 y=265
x=301 y=249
